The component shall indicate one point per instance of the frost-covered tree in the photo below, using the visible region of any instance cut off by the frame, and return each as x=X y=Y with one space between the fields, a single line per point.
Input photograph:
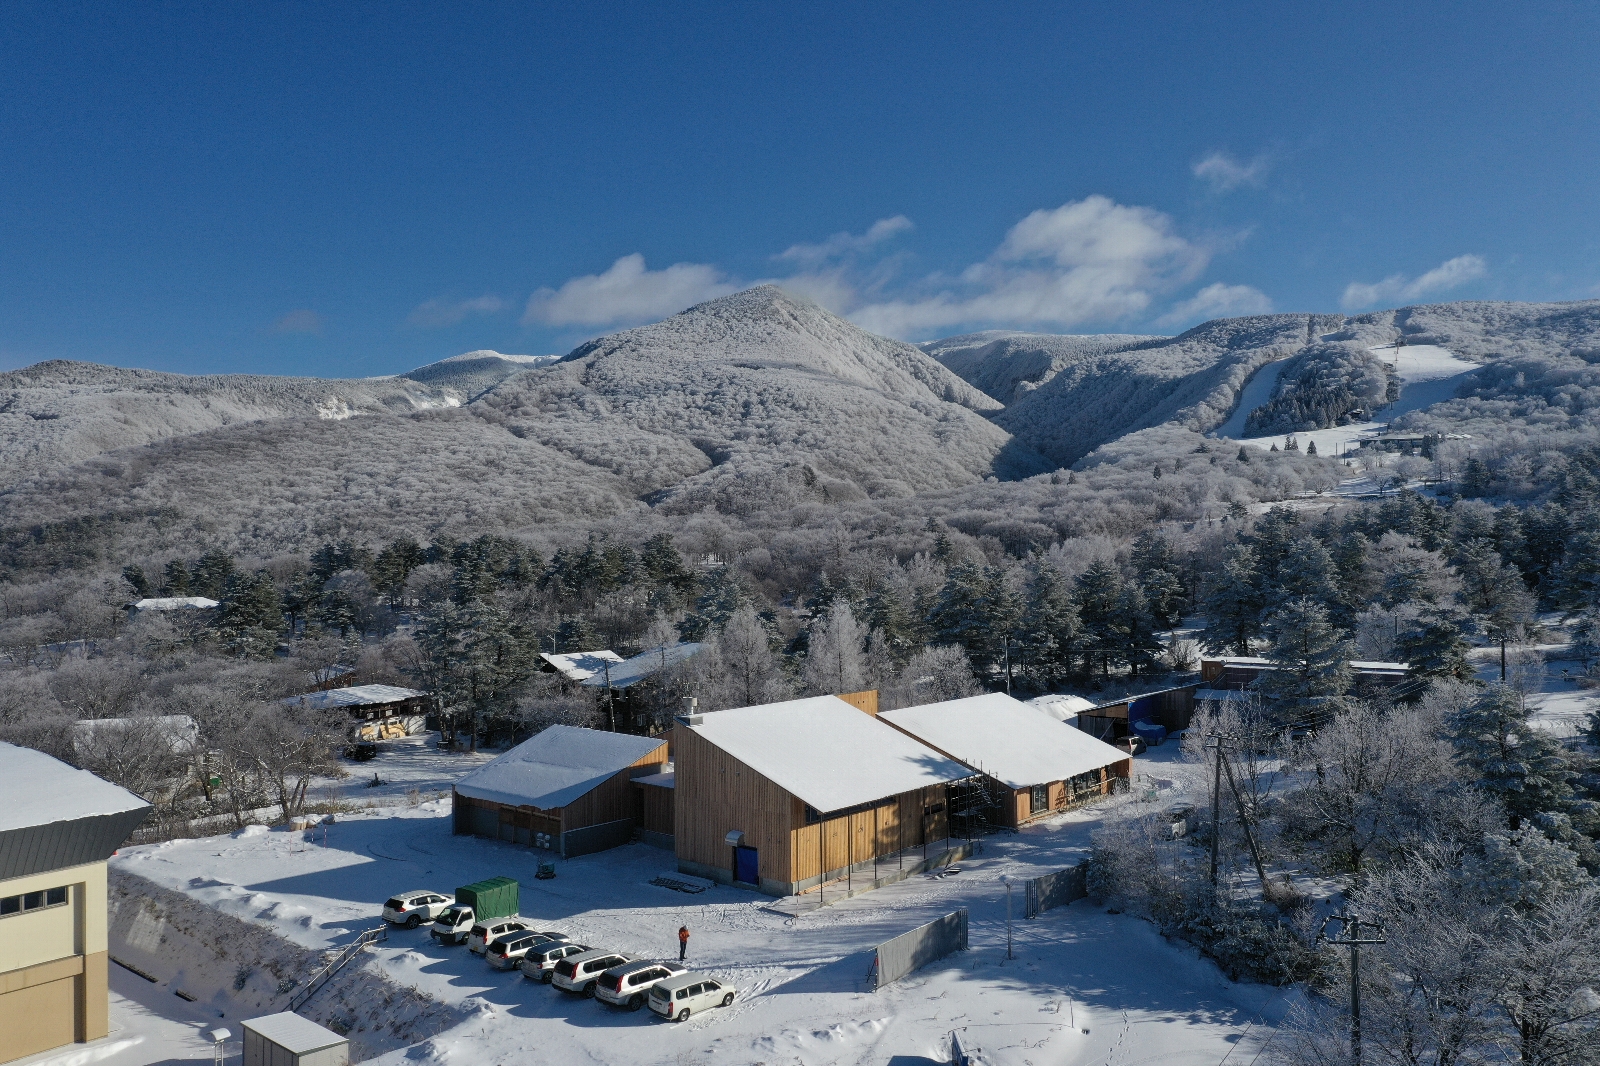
x=934 y=674
x=836 y=660
x=749 y=672
x=1310 y=658
x=1233 y=607
x=1434 y=646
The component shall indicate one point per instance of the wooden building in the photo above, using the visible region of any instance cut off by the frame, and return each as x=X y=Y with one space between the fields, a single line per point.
x=1238 y=673
x=1169 y=707
x=567 y=789
x=786 y=796
x=1040 y=765
x=377 y=712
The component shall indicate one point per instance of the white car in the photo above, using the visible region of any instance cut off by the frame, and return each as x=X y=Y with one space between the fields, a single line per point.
x=689 y=993
x=489 y=930
x=506 y=952
x=412 y=909
x=629 y=984
x=579 y=973
x=539 y=963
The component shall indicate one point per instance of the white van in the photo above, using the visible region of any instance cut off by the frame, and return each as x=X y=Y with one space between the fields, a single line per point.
x=578 y=973
x=628 y=985
x=453 y=926
x=689 y=993
x=489 y=930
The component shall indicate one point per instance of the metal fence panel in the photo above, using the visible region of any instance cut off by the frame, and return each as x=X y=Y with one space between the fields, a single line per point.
x=592 y=838
x=1057 y=889
x=925 y=944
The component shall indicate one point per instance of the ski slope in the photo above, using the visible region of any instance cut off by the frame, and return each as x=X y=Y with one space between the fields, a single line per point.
x=1428 y=375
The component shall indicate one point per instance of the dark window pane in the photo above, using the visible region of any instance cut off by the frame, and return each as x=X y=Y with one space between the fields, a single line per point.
x=30 y=900
x=10 y=904
x=56 y=895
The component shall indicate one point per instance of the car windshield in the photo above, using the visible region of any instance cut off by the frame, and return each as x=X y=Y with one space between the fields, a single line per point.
x=454 y=916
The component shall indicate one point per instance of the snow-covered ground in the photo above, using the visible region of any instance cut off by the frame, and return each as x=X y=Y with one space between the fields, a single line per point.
x=1085 y=986
x=1428 y=375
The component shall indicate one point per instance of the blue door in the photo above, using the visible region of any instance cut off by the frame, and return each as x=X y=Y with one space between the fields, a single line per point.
x=745 y=867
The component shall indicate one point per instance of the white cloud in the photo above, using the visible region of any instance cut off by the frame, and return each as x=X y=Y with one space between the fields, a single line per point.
x=432 y=314
x=1218 y=300
x=1085 y=261
x=1226 y=173
x=626 y=292
x=1397 y=288
x=303 y=320
x=844 y=243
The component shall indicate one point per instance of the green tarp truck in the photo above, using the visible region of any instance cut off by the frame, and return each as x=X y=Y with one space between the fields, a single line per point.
x=494 y=898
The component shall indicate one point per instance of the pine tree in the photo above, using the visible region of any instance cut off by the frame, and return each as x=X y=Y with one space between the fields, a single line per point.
x=1234 y=606
x=1098 y=596
x=251 y=615
x=1158 y=569
x=1434 y=647
x=1052 y=633
x=1585 y=645
x=1310 y=656
x=836 y=660
x=1244 y=453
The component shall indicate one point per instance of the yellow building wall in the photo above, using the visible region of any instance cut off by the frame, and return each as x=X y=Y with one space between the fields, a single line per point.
x=53 y=964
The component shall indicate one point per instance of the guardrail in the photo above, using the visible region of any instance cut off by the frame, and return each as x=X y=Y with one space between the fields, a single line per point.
x=334 y=965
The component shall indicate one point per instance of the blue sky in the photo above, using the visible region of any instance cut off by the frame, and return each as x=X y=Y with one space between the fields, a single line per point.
x=360 y=189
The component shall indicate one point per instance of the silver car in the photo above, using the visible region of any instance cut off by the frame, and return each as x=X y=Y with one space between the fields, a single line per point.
x=491 y=929
x=580 y=973
x=505 y=953
x=689 y=993
x=629 y=984
x=416 y=907
x=539 y=963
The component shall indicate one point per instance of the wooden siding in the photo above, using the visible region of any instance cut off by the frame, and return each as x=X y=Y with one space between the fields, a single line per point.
x=886 y=827
x=866 y=700
x=656 y=806
x=717 y=794
x=614 y=798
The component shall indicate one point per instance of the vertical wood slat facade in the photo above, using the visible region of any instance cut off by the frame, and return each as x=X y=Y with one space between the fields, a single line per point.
x=718 y=794
x=614 y=799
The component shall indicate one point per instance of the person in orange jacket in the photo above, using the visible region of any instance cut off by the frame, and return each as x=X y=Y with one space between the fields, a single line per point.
x=683 y=941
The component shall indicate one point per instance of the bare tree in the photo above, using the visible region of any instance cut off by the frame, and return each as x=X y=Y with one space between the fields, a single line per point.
x=836 y=660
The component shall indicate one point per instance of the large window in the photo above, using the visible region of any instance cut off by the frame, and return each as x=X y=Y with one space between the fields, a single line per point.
x=1040 y=799
x=33 y=901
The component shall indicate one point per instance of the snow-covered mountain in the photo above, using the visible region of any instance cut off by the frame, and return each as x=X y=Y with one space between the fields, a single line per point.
x=1006 y=365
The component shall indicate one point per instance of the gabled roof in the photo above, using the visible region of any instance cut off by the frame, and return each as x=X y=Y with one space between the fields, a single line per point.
x=174 y=603
x=632 y=671
x=555 y=767
x=579 y=665
x=354 y=696
x=297 y=1035
x=53 y=816
x=1061 y=707
x=826 y=752
x=1006 y=739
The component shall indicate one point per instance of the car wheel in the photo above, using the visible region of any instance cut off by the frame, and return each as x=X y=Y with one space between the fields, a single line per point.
x=545 y=977
x=683 y=1015
x=635 y=1001
x=413 y=921
x=588 y=990
x=727 y=1000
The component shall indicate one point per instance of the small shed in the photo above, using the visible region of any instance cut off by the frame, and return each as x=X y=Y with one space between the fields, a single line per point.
x=1170 y=708
x=1041 y=765
x=289 y=1040
x=579 y=666
x=377 y=712
x=567 y=789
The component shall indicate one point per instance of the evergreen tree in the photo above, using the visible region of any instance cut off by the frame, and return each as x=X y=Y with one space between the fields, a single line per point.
x=136 y=580
x=210 y=574
x=1098 y=595
x=836 y=660
x=1234 y=606
x=1051 y=634
x=251 y=615
x=959 y=613
x=720 y=595
x=175 y=579
x=1311 y=658
x=1434 y=647
x=393 y=565
x=1585 y=645
x=1136 y=646
x=1160 y=578
x=665 y=568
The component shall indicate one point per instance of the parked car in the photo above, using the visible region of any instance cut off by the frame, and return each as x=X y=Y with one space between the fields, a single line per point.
x=453 y=925
x=579 y=973
x=539 y=962
x=484 y=932
x=689 y=993
x=411 y=909
x=508 y=950
x=361 y=751
x=628 y=985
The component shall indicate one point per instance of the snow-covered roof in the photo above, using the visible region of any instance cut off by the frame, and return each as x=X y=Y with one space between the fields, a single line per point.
x=666 y=779
x=1355 y=664
x=1006 y=739
x=179 y=730
x=579 y=665
x=173 y=603
x=555 y=767
x=1061 y=708
x=630 y=672
x=354 y=696
x=37 y=790
x=293 y=1033
x=825 y=751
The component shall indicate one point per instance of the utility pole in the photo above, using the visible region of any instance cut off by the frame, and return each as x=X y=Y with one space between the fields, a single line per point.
x=1216 y=805
x=1350 y=937
x=1006 y=878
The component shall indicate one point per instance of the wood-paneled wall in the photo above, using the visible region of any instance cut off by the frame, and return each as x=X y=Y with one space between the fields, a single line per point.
x=656 y=805
x=717 y=794
x=614 y=798
x=897 y=822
